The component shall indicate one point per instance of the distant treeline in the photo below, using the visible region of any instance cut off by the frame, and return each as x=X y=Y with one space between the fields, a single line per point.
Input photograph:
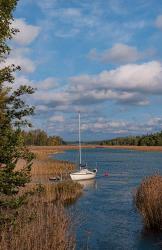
x=144 y=140
x=40 y=138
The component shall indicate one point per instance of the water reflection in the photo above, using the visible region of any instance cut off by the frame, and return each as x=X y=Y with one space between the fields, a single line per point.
x=89 y=184
x=150 y=240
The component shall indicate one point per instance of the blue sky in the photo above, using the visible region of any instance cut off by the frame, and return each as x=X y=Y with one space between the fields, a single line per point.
x=102 y=57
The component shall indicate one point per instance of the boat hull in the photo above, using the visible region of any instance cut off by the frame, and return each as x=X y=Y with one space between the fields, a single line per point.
x=82 y=176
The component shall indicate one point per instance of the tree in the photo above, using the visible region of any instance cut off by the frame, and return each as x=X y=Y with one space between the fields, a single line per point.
x=13 y=113
x=144 y=140
x=40 y=138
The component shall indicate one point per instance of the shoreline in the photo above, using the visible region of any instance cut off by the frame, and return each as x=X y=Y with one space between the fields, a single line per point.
x=61 y=149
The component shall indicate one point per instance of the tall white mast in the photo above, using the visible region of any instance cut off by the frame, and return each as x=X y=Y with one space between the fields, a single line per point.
x=80 y=152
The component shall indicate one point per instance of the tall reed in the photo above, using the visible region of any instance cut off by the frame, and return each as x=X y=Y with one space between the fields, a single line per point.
x=43 y=223
x=148 y=200
x=40 y=225
x=44 y=167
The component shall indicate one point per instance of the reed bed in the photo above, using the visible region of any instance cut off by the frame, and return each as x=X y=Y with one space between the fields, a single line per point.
x=68 y=191
x=42 y=223
x=44 y=167
x=148 y=200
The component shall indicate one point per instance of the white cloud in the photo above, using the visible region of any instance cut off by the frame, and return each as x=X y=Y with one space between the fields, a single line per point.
x=131 y=84
x=48 y=83
x=118 y=54
x=117 y=127
x=47 y=4
x=158 y=22
x=143 y=78
x=155 y=121
x=120 y=127
x=117 y=7
x=67 y=33
x=22 y=80
x=26 y=64
x=27 y=34
x=57 y=118
x=69 y=13
x=18 y=57
x=67 y=22
x=42 y=108
x=75 y=17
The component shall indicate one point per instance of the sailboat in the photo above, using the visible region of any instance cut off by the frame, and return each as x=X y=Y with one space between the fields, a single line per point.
x=84 y=173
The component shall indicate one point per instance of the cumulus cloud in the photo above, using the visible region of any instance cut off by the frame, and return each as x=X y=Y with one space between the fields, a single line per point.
x=155 y=121
x=27 y=34
x=158 y=22
x=52 y=98
x=19 y=57
x=47 y=84
x=130 y=84
x=22 y=80
x=143 y=78
x=117 y=127
x=119 y=54
x=122 y=127
x=26 y=64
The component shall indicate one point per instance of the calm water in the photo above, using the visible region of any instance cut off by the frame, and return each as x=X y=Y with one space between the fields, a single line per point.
x=106 y=213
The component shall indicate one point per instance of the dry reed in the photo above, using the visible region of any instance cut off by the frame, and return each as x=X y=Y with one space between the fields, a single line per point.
x=148 y=200
x=43 y=223
x=44 y=167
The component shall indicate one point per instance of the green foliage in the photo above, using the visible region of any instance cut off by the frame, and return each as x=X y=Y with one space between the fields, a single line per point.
x=144 y=140
x=6 y=31
x=11 y=151
x=40 y=138
x=13 y=113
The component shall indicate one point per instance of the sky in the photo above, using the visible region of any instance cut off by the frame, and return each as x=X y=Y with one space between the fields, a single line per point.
x=100 y=57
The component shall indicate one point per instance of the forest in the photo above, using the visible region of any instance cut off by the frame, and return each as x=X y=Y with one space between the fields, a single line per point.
x=154 y=139
x=39 y=137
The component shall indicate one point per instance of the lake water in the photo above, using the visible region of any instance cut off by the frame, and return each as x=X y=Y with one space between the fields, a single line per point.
x=106 y=213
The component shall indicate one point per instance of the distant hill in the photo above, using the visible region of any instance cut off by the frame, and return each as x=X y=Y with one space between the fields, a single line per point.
x=154 y=139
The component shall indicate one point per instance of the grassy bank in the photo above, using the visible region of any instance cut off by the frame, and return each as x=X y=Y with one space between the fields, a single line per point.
x=42 y=222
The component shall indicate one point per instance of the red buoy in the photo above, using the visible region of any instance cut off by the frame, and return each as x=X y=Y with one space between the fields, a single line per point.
x=106 y=174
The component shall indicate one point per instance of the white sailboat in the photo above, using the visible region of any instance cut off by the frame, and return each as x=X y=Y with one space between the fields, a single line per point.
x=83 y=173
